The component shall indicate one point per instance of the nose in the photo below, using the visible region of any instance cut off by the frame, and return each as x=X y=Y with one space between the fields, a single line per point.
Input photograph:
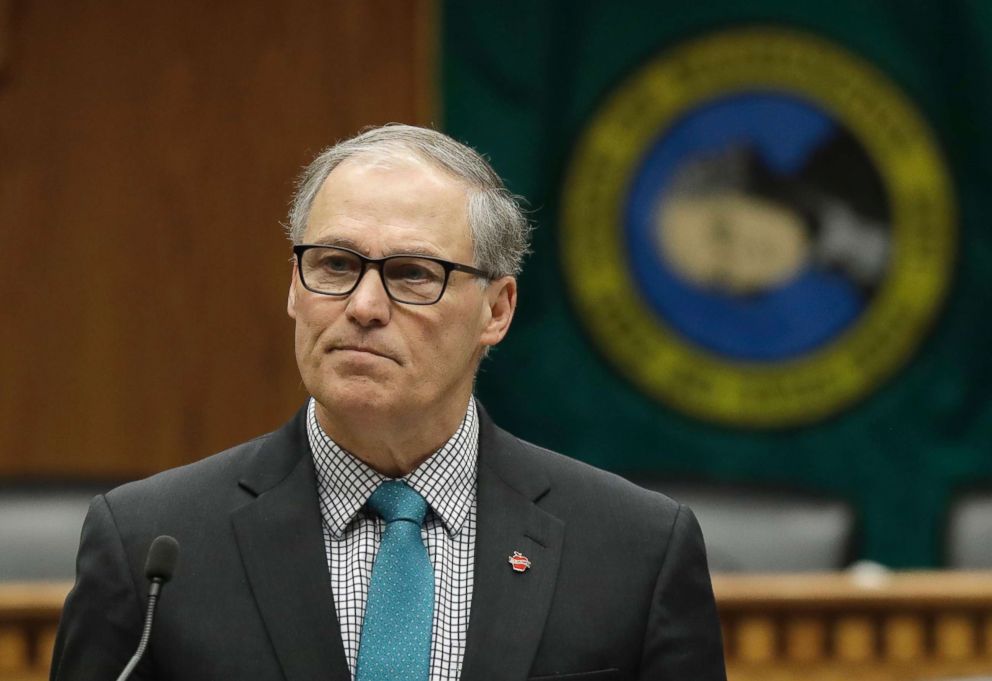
x=369 y=304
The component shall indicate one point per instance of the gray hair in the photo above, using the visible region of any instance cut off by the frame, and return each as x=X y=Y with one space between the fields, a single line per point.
x=500 y=230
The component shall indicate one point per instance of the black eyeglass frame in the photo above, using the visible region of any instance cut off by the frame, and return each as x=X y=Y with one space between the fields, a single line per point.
x=449 y=267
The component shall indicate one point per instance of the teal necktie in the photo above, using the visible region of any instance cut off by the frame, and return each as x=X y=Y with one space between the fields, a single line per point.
x=396 y=635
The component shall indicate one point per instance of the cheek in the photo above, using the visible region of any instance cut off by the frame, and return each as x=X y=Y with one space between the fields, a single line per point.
x=303 y=339
x=309 y=327
x=426 y=342
x=452 y=344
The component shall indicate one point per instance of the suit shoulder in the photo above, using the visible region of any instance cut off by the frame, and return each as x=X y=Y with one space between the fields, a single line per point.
x=598 y=508
x=597 y=485
x=210 y=474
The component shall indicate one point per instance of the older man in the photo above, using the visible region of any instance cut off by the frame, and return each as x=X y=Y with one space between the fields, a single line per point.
x=390 y=530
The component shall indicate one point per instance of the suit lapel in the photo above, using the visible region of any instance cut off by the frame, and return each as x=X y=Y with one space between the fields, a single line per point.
x=509 y=608
x=280 y=537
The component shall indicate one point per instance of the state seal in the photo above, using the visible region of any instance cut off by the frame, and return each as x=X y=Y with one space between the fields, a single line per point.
x=757 y=228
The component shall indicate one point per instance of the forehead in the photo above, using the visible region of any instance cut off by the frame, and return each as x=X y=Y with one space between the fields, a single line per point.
x=390 y=204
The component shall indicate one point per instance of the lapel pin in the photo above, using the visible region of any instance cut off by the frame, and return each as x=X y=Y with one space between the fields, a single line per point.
x=519 y=562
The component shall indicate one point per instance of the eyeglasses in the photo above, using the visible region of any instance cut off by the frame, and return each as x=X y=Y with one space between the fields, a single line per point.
x=409 y=279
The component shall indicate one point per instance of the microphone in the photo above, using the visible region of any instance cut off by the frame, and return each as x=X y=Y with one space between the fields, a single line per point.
x=159 y=566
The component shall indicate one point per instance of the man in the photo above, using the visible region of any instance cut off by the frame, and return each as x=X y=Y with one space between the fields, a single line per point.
x=390 y=530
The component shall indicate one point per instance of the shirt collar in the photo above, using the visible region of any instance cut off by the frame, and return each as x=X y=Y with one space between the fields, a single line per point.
x=446 y=479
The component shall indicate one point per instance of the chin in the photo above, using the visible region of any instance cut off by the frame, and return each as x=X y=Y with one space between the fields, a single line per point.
x=357 y=397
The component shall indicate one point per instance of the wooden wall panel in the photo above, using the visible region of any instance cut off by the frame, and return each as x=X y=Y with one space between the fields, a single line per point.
x=147 y=152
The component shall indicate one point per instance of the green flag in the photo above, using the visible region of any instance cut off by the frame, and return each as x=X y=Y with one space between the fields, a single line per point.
x=761 y=247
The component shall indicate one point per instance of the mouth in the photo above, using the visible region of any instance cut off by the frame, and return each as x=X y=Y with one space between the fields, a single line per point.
x=363 y=350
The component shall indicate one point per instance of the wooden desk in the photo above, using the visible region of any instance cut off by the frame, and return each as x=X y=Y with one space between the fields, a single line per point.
x=810 y=627
x=877 y=627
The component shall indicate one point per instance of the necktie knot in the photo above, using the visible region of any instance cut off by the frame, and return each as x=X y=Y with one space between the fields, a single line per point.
x=394 y=500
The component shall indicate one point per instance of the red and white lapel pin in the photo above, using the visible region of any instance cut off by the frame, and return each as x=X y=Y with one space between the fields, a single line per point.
x=519 y=562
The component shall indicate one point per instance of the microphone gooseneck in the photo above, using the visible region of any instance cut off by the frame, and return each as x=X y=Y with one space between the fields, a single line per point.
x=159 y=566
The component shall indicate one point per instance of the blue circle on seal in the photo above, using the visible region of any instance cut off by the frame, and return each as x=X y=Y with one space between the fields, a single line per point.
x=756 y=150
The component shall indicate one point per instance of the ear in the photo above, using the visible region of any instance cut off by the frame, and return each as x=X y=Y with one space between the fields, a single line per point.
x=501 y=299
x=291 y=302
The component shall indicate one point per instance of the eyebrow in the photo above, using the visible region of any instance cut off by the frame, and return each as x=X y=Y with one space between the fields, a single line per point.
x=345 y=242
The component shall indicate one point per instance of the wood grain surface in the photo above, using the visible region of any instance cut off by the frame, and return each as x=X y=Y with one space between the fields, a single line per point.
x=147 y=154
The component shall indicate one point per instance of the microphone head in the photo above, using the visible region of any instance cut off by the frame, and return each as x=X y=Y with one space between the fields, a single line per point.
x=162 y=558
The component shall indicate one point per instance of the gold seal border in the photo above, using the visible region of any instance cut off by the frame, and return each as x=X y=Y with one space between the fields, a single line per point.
x=897 y=140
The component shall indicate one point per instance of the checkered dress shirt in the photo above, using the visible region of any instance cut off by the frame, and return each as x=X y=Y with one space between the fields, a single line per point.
x=447 y=480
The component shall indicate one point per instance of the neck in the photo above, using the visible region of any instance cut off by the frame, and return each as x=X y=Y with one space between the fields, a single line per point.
x=393 y=445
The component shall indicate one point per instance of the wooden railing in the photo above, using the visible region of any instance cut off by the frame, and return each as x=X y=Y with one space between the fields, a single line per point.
x=876 y=627
x=29 y=615
x=820 y=627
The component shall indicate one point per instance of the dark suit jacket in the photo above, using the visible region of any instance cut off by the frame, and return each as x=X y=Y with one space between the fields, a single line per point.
x=618 y=587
